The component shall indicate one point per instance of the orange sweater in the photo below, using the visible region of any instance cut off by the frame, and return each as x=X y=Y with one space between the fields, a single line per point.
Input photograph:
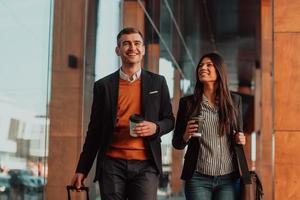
x=129 y=102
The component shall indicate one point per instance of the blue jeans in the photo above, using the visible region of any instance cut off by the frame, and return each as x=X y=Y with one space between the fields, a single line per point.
x=204 y=187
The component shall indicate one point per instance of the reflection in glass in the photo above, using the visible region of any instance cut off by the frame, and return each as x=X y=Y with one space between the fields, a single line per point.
x=25 y=28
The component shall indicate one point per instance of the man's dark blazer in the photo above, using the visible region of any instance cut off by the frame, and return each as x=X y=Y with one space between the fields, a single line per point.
x=191 y=156
x=155 y=107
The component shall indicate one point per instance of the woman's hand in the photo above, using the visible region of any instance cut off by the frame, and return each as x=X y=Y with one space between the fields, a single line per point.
x=240 y=138
x=191 y=128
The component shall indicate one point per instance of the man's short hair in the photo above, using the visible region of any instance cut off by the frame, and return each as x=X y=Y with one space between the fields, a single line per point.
x=128 y=30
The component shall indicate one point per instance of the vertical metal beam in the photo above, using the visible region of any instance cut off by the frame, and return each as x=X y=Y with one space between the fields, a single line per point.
x=152 y=38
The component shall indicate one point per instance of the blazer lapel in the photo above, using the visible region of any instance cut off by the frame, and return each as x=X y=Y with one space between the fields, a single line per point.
x=114 y=92
x=146 y=85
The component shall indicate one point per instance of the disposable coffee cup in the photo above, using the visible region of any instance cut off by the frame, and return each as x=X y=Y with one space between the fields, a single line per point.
x=198 y=120
x=133 y=121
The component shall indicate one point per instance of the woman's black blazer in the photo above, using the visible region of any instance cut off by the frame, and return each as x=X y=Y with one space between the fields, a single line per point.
x=191 y=155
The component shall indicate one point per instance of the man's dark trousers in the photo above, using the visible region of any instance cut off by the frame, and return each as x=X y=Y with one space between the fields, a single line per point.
x=128 y=179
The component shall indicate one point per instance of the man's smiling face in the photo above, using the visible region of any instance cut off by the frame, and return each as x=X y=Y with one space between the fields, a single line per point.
x=131 y=49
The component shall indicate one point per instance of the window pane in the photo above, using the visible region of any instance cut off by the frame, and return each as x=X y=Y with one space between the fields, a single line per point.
x=25 y=48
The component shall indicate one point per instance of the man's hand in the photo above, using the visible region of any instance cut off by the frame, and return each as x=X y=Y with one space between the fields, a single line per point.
x=145 y=128
x=77 y=180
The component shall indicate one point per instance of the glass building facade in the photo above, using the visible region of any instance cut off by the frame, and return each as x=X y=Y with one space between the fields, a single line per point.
x=177 y=33
x=25 y=72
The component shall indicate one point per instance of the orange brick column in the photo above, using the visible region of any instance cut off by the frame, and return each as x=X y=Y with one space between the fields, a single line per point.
x=264 y=162
x=65 y=139
x=286 y=98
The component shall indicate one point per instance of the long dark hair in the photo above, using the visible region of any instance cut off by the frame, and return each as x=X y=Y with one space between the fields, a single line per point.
x=227 y=112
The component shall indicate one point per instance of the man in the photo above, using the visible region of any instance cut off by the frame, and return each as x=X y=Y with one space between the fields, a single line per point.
x=127 y=167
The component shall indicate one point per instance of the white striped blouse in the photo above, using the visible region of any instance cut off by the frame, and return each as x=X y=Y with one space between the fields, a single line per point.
x=215 y=156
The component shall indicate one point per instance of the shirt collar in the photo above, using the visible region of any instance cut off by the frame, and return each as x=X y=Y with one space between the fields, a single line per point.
x=131 y=78
x=205 y=102
x=204 y=98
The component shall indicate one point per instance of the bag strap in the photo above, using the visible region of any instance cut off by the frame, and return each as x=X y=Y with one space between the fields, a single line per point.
x=242 y=163
x=259 y=188
x=239 y=150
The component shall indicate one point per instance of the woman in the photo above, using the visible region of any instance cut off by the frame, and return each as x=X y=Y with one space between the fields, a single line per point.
x=211 y=170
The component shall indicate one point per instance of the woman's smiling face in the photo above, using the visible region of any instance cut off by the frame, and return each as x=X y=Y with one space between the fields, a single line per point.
x=207 y=71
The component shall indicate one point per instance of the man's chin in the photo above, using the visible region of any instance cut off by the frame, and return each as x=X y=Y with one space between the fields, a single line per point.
x=132 y=61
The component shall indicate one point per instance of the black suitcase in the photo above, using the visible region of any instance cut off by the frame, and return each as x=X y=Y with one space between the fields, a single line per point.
x=71 y=187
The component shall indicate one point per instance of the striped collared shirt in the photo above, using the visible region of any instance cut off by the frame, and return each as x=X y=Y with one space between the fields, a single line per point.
x=215 y=156
x=131 y=78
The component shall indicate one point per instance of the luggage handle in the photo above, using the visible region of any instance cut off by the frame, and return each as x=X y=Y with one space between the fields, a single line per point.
x=83 y=188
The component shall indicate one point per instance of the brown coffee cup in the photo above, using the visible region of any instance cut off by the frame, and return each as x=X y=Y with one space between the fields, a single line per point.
x=133 y=121
x=200 y=121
